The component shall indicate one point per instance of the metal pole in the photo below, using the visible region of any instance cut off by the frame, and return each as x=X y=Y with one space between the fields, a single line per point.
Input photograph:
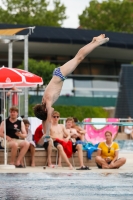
x=26 y=68
x=10 y=54
x=106 y=123
x=5 y=153
x=10 y=58
x=19 y=105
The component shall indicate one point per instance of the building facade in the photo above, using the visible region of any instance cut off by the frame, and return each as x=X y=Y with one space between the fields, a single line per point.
x=96 y=79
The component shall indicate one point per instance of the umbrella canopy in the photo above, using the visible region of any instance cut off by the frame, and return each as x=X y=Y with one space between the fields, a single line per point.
x=10 y=77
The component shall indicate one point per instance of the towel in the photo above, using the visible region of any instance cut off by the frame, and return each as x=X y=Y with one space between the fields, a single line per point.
x=89 y=147
x=34 y=123
x=67 y=146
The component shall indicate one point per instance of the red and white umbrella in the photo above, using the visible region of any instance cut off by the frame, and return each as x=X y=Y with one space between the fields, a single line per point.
x=10 y=77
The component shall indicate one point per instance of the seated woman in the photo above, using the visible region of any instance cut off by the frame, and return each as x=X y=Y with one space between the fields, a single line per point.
x=30 y=140
x=107 y=154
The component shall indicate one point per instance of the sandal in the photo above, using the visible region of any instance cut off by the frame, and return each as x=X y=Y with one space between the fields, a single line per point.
x=19 y=166
x=83 y=168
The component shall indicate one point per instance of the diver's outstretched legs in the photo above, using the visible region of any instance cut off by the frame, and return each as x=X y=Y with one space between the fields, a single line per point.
x=70 y=66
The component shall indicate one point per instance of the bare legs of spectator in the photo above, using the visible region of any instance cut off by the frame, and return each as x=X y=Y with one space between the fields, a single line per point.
x=59 y=161
x=64 y=156
x=100 y=161
x=32 y=151
x=24 y=146
x=14 y=148
x=49 y=151
x=117 y=163
x=80 y=154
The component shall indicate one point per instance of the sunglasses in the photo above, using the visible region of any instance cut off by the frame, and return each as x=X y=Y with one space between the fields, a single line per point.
x=109 y=150
x=55 y=116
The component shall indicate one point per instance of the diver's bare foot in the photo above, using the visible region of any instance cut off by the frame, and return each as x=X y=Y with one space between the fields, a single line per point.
x=98 y=38
x=101 y=41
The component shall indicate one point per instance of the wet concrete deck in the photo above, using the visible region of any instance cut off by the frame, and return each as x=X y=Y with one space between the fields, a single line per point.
x=127 y=168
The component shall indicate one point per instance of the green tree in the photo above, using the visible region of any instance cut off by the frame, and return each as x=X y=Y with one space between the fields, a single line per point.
x=109 y=15
x=32 y=12
x=41 y=68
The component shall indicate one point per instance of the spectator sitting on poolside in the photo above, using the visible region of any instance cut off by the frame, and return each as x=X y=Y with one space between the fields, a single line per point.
x=30 y=140
x=73 y=133
x=129 y=129
x=15 y=135
x=76 y=132
x=79 y=129
x=60 y=136
x=107 y=154
x=39 y=138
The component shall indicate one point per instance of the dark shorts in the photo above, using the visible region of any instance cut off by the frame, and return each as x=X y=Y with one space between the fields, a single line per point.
x=1 y=146
x=45 y=145
x=100 y=167
x=77 y=138
x=74 y=145
x=39 y=146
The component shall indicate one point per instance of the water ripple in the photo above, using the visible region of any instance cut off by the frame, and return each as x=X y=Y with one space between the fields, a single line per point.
x=55 y=186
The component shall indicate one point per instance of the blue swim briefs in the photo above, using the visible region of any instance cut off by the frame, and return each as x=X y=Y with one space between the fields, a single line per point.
x=58 y=73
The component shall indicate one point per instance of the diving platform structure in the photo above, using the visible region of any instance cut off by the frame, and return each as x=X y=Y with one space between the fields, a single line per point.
x=9 y=36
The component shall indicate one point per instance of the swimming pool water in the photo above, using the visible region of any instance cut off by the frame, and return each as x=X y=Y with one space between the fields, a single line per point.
x=125 y=145
x=72 y=186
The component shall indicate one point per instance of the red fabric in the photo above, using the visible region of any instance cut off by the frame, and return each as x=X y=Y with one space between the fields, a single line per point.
x=29 y=77
x=10 y=77
x=38 y=133
x=15 y=99
x=67 y=146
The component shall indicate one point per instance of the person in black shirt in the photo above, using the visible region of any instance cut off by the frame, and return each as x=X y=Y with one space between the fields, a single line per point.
x=15 y=135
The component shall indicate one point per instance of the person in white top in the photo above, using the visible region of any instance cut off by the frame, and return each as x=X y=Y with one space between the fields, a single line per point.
x=30 y=140
x=129 y=129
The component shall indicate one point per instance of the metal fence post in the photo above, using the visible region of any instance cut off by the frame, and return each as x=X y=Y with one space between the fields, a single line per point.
x=26 y=68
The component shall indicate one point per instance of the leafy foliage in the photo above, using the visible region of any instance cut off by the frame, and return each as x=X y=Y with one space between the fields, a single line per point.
x=41 y=68
x=32 y=12
x=109 y=15
x=80 y=112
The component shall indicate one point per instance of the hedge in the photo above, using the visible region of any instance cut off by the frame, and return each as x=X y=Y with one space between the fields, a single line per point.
x=80 y=112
